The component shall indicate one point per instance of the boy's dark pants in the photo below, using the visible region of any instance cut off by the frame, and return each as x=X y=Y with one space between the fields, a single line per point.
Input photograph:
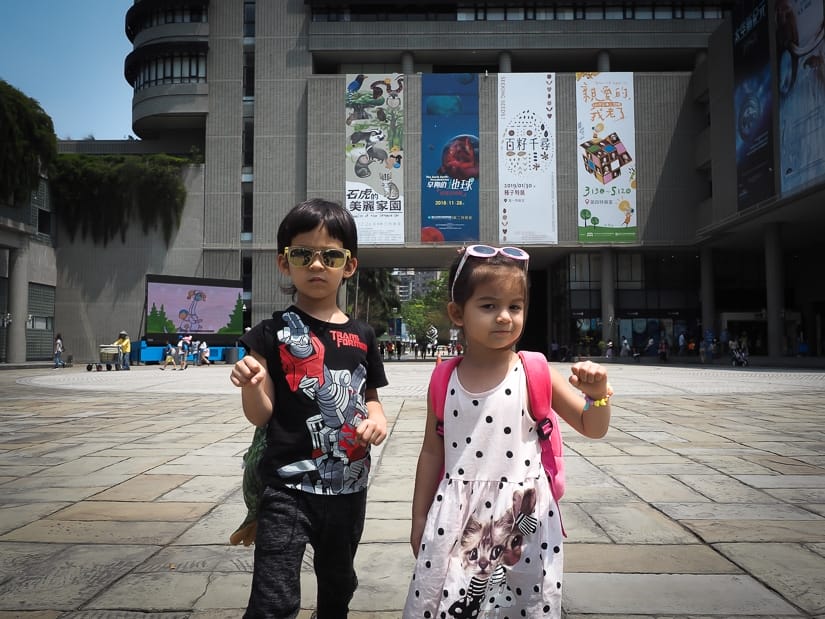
x=287 y=521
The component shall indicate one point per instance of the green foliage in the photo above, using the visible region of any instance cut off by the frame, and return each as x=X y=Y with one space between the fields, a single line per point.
x=235 y=324
x=28 y=144
x=97 y=196
x=158 y=322
x=372 y=295
x=431 y=309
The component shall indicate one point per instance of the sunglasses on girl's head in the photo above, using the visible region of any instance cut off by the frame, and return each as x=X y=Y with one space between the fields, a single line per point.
x=332 y=258
x=486 y=251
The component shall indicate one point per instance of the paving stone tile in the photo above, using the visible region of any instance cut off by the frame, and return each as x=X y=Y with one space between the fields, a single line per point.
x=225 y=591
x=214 y=527
x=667 y=594
x=636 y=523
x=204 y=487
x=17 y=515
x=652 y=488
x=735 y=511
x=71 y=577
x=47 y=494
x=790 y=569
x=133 y=511
x=77 y=532
x=645 y=558
x=725 y=489
x=384 y=571
x=214 y=558
x=783 y=481
x=142 y=488
x=714 y=531
x=157 y=592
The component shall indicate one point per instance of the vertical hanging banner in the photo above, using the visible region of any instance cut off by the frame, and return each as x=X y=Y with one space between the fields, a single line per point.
x=606 y=133
x=374 y=156
x=527 y=158
x=800 y=45
x=449 y=159
x=753 y=102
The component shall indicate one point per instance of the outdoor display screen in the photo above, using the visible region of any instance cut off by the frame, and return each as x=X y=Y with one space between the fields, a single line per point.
x=180 y=305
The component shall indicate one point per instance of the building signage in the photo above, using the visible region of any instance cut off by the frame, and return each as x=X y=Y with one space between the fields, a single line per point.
x=527 y=158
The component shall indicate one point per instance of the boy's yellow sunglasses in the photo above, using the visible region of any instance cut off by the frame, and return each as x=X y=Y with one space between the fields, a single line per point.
x=332 y=258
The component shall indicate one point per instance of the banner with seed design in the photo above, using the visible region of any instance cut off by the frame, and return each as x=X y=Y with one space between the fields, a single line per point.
x=527 y=159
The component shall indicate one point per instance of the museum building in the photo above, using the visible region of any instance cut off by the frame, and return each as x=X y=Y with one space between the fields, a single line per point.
x=662 y=163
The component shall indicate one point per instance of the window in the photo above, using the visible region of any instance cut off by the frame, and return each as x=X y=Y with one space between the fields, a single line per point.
x=44 y=221
x=248 y=143
x=249 y=75
x=246 y=214
x=629 y=271
x=249 y=19
x=246 y=273
x=585 y=271
x=40 y=323
x=564 y=13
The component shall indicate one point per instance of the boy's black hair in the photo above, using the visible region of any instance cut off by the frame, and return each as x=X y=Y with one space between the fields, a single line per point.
x=308 y=215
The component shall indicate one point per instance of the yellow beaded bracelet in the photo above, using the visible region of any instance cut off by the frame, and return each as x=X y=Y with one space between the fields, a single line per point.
x=588 y=401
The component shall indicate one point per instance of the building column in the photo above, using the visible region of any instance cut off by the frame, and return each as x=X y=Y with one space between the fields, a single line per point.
x=775 y=286
x=505 y=62
x=603 y=61
x=18 y=304
x=407 y=63
x=706 y=292
x=609 y=322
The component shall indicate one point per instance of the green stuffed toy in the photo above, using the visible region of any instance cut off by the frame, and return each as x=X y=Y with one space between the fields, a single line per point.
x=252 y=489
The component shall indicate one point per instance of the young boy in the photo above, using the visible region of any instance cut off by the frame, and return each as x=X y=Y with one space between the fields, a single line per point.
x=169 y=354
x=311 y=376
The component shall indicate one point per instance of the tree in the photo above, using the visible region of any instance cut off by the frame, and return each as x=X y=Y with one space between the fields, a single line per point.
x=431 y=309
x=29 y=144
x=97 y=196
x=372 y=296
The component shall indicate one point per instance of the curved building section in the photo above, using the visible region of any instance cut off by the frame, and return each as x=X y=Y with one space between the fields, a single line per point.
x=168 y=66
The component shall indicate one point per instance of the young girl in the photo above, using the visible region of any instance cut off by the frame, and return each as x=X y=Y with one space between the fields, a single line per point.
x=487 y=535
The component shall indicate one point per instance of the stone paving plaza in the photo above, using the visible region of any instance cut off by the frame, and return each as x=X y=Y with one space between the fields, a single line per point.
x=118 y=492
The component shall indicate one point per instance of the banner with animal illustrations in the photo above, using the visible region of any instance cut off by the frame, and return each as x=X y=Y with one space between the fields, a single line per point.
x=606 y=136
x=375 y=156
x=527 y=158
x=449 y=157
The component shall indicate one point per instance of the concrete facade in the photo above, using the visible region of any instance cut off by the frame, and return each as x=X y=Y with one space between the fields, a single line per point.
x=686 y=203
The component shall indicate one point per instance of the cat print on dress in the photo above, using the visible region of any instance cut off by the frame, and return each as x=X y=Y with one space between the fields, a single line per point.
x=487 y=550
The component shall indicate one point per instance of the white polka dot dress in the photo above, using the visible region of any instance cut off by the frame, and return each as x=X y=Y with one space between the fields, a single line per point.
x=492 y=545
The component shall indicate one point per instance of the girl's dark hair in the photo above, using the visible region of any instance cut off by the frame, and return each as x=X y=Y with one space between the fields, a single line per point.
x=474 y=273
x=308 y=215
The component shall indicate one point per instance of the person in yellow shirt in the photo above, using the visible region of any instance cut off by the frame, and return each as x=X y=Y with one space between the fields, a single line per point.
x=125 y=349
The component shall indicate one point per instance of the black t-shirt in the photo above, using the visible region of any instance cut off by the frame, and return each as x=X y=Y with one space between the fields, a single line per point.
x=320 y=372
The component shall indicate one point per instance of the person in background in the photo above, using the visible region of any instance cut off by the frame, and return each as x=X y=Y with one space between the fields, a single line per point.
x=169 y=354
x=125 y=349
x=58 y=352
x=203 y=353
x=184 y=346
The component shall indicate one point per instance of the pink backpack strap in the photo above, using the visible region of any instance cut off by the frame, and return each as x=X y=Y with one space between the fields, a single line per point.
x=540 y=393
x=439 y=380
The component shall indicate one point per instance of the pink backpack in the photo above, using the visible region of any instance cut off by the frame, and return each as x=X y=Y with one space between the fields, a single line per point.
x=540 y=392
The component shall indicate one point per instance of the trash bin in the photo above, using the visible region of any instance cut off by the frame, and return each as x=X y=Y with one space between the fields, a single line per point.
x=230 y=355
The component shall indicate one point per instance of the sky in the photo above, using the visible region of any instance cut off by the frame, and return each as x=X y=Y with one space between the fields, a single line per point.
x=68 y=55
